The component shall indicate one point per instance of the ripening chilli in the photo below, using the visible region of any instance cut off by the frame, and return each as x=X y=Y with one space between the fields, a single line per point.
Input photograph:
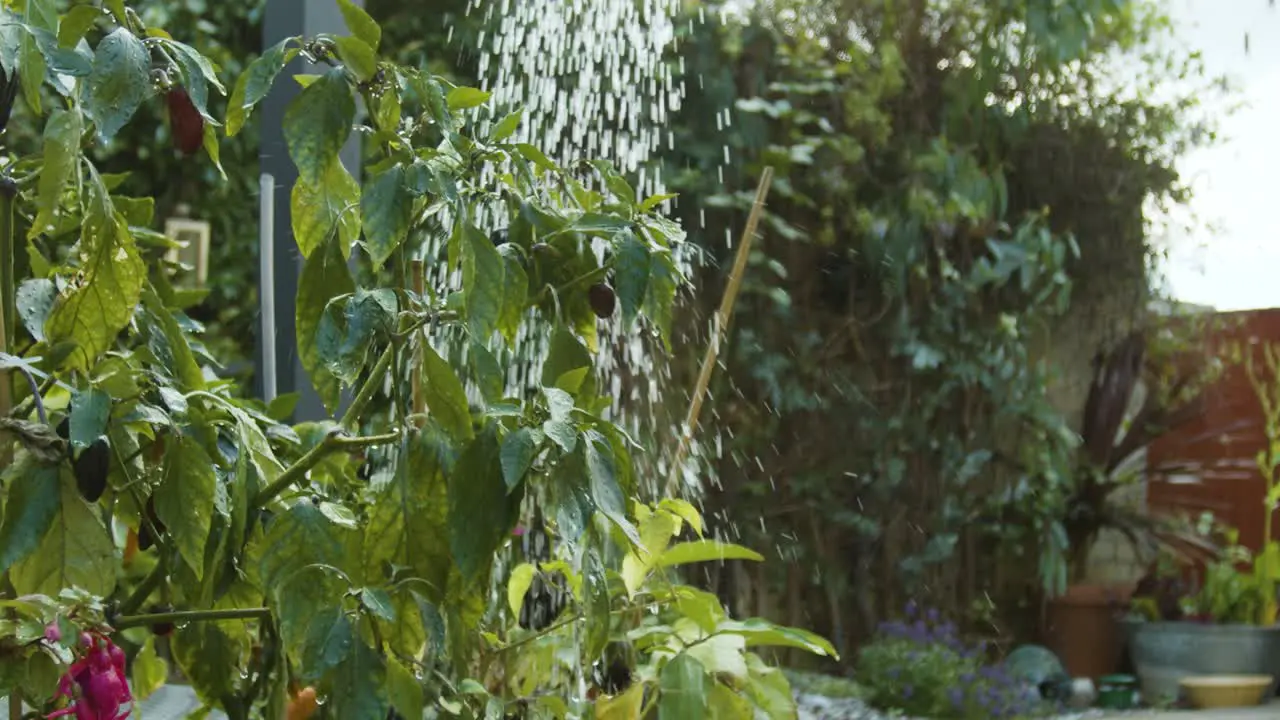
x=185 y=121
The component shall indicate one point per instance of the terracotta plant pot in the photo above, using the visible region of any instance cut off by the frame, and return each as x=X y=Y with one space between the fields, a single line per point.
x=1081 y=629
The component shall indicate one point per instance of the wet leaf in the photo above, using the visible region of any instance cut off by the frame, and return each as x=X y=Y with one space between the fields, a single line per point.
x=360 y=23
x=518 y=585
x=403 y=690
x=758 y=632
x=324 y=276
x=706 y=551
x=150 y=671
x=409 y=522
x=484 y=282
x=315 y=208
x=630 y=275
x=184 y=500
x=61 y=161
x=507 y=126
x=32 y=502
x=683 y=685
x=518 y=451
x=317 y=124
x=76 y=550
x=462 y=98
x=445 y=395
x=90 y=315
x=330 y=639
x=35 y=300
x=359 y=684
x=358 y=57
x=386 y=209
x=481 y=511
x=89 y=412
x=605 y=491
x=254 y=84
x=120 y=82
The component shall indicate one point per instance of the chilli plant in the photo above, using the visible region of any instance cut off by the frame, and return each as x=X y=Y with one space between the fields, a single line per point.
x=369 y=566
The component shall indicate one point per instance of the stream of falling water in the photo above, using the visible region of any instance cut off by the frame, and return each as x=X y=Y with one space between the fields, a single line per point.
x=597 y=79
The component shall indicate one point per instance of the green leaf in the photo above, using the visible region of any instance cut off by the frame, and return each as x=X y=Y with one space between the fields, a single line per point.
x=483 y=280
x=630 y=275
x=445 y=395
x=758 y=632
x=35 y=299
x=210 y=656
x=408 y=523
x=317 y=209
x=721 y=655
x=595 y=589
x=617 y=184
x=507 y=126
x=301 y=551
x=605 y=491
x=169 y=345
x=515 y=297
x=317 y=124
x=489 y=375
x=254 y=84
x=75 y=24
x=324 y=276
x=150 y=671
x=386 y=209
x=725 y=704
x=481 y=512
x=405 y=631
x=660 y=295
x=359 y=684
x=329 y=641
x=120 y=82
x=61 y=161
x=360 y=23
x=706 y=551
x=358 y=56
x=566 y=354
x=770 y=690
x=654 y=201
x=404 y=690
x=563 y=434
x=31 y=504
x=518 y=451
x=93 y=312
x=31 y=71
x=536 y=156
x=518 y=586
x=213 y=150
x=89 y=412
x=683 y=687
x=184 y=500
x=76 y=551
x=462 y=98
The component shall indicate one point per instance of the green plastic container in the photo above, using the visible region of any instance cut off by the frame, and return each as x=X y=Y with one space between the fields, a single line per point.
x=1117 y=692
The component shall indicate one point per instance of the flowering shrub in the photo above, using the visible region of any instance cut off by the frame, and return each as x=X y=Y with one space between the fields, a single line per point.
x=95 y=683
x=921 y=667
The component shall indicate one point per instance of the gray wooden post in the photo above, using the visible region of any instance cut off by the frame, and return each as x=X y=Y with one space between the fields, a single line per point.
x=290 y=18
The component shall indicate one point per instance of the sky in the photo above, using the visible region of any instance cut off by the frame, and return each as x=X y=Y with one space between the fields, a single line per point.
x=1232 y=261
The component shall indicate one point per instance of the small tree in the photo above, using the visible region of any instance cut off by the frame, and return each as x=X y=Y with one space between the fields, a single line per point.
x=366 y=559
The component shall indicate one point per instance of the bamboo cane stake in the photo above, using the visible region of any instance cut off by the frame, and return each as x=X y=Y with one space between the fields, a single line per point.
x=418 y=273
x=720 y=330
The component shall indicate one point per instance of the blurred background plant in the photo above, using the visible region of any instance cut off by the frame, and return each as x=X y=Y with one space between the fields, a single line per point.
x=921 y=667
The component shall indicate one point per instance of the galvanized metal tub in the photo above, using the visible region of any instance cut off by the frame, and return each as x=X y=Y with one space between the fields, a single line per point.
x=1165 y=652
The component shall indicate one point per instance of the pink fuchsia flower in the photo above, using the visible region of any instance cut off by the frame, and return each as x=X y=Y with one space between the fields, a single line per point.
x=519 y=531
x=95 y=684
x=52 y=633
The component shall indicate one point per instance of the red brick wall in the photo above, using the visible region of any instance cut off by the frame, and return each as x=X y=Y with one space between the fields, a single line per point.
x=1218 y=448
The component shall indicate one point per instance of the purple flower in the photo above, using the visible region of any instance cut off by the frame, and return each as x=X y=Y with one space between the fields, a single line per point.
x=932 y=615
x=907 y=690
x=912 y=608
x=956 y=696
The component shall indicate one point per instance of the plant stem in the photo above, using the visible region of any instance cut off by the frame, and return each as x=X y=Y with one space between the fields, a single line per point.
x=361 y=401
x=144 y=589
x=332 y=443
x=184 y=616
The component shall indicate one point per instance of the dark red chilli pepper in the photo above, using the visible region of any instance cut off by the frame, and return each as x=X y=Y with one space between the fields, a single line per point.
x=185 y=120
